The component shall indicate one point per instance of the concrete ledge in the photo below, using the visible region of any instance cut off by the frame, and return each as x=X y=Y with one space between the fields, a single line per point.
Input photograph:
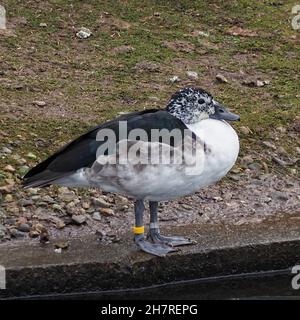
x=88 y=266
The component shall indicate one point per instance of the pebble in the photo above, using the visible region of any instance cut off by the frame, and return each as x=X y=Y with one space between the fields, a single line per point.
x=57 y=207
x=43 y=24
x=39 y=103
x=269 y=144
x=99 y=202
x=120 y=199
x=192 y=75
x=79 y=219
x=221 y=78
x=154 y=99
x=7 y=189
x=9 y=168
x=62 y=245
x=234 y=177
x=245 y=130
x=24 y=227
x=17 y=234
x=2 y=231
x=85 y=205
x=32 y=191
x=83 y=33
x=31 y=156
x=26 y=202
x=254 y=166
x=218 y=199
x=97 y=216
x=8 y=198
x=66 y=195
x=279 y=161
x=6 y=150
x=107 y=211
x=23 y=170
x=174 y=79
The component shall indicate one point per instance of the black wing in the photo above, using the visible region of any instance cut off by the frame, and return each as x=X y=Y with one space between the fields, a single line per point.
x=81 y=152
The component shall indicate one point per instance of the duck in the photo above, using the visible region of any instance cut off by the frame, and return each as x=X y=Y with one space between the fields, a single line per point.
x=150 y=156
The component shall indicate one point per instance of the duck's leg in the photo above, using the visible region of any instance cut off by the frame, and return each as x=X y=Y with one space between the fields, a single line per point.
x=155 y=235
x=158 y=249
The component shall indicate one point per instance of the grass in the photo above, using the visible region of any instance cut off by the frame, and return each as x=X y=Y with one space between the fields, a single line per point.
x=93 y=84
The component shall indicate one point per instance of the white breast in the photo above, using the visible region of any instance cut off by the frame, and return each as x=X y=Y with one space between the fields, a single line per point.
x=222 y=143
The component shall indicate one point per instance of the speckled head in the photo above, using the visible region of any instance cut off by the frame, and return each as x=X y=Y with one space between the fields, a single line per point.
x=192 y=105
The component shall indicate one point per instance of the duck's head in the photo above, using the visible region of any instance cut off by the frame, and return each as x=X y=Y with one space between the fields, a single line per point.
x=191 y=105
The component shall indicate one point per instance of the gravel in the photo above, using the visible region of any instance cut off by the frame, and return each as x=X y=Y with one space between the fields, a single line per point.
x=249 y=194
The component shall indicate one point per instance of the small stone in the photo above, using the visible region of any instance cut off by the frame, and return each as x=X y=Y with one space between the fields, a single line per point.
x=17 y=234
x=3 y=230
x=199 y=33
x=48 y=199
x=245 y=130
x=33 y=234
x=259 y=83
x=58 y=250
x=23 y=170
x=59 y=223
x=254 y=166
x=43 y=24
x=85 y=205
x=62 y=245
x=120 y=199
x=36 y=198
x=7 y=189
x=24 y=227
x=8 y=198
x=99 y=202
x=26 y=202
x=6 y=150
x=279 y=161
x=218 y=199
x=255 y=83
x=246 y=160
x=107 y=211
x=97 y=216
x=79 y=219
x=31 y=156
x=83 y=33
x=147 y=66
x=281 y=196
x=39 y=103
x=57 y=207
x=269 y=144
x=66 y=195
x=234 y=177
x=154 y=99
x=221 y=78
x=174 y=79
x=122 y=49
x=192 y=75
x=9 y=168
x=32 y=191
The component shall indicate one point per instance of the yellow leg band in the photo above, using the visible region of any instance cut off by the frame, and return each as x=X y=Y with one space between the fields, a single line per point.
x=138 y=230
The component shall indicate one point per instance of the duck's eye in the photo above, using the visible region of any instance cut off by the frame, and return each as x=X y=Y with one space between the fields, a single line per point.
x=201 y=101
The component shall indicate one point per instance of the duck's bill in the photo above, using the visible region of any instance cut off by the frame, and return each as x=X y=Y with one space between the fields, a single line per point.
x=221 y=113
